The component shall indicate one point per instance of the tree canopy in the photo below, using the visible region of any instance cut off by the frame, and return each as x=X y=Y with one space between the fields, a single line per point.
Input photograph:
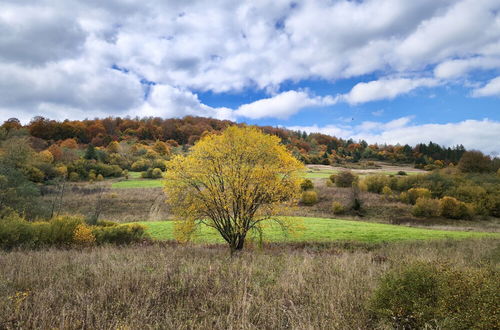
x=232 y=182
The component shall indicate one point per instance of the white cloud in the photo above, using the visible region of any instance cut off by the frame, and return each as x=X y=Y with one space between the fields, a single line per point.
x=483 y=134
x=492 y=88
x=282 y=105
x=167 y=101
x=459 y=68
x=385 y=89
x=63 y=50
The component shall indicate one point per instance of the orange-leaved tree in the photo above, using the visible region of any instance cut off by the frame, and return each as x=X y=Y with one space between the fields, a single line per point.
x=232 y=182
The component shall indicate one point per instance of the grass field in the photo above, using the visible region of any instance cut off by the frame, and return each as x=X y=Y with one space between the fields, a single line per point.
x=324 y=230
x=138 y=183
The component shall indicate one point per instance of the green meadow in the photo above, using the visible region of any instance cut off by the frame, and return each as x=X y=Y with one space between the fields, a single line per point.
x=323 y=230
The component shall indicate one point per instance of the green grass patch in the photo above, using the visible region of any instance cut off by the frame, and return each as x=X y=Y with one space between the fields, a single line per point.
x=137 y=183
x=324 y=230
x=134 y=175
x=319 y=174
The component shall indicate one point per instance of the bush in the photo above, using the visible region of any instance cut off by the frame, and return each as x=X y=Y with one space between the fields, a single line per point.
x=452 y=208
x=407 y=298
x=83 y=235
x=333 y=176
x=156 y=173
x=475 y=161
x=65 y=231
x=119 y=234
x=426 y=207
x=306 y=185
x=425 y=295
x=73 y=176
x=59 y=231
x=15 y=231
x=375 y=183
x=309 y=197
x=402 y=173
x=387 y=192
x=100 y=178
x=416 y=193
x=338 y=208
x=344 y=179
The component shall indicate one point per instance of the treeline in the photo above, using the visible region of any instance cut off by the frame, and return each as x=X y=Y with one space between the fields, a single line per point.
x=314 y=148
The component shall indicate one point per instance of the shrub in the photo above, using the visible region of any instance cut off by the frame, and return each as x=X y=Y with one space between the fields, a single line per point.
x=338 y=208
x=375 y=183
x=120 y=234
x=59 y=231
x=387 y=192
x=73 y=176
x=423 y=295
x=141 y=165
x=402 y=173
x=407 y=297
x=344 y=179
x=309 y=197
x=415 y=193
x=426 y=207
x=475 y=161
x=306 y=185
x=452 y=208
x=156 y=173
x=83 y=235
x=333 y=176
x=100 y=178
x=15 y=231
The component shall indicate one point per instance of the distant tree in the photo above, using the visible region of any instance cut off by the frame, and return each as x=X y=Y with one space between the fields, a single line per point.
x=90 y=153
x=17 y=192
x=475 y=161
x=232 y=182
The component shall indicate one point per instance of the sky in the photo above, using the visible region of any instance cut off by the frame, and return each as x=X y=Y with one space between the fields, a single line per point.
x=387 y=71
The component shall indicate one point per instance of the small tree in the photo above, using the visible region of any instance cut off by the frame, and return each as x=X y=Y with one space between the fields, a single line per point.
x=232 y=182
x=475 y=161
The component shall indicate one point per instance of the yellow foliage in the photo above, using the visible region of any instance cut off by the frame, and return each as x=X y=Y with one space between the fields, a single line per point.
x=184 y=230
x=46 y=156
x=233 y=181
x=83 y=235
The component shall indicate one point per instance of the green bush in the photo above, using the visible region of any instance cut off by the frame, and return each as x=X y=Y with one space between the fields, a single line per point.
x=119 y=234
x=424 y=295
x=375 y=183
x=344 y=179
x=416 y=193
x=60 y=231
x=338 y=208
x=333 y=176
x=309 y=197
x=452 y=208
x=387 y=192
x=15 y=231
x=402 y=173
x=407 y=298
x=426 y=207
x=306 y=185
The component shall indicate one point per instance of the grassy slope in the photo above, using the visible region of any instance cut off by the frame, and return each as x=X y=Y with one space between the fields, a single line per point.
x=139 y=183
x=324 y=230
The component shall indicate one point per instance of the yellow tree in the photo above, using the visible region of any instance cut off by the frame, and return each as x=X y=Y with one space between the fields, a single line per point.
x=232 y=182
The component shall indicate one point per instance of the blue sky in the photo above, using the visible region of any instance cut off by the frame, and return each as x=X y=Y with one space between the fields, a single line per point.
x=387 y=71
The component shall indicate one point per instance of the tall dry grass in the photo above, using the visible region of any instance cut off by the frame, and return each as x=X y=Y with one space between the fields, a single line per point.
x=323 y=286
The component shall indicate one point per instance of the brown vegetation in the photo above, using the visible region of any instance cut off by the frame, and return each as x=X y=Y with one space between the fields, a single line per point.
x=175 y=287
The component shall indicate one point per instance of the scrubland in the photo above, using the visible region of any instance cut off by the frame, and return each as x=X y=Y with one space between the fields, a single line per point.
x=300 y=286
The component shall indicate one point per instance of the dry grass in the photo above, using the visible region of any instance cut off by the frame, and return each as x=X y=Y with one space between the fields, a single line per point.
x=183 y=287
x=121 y=205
